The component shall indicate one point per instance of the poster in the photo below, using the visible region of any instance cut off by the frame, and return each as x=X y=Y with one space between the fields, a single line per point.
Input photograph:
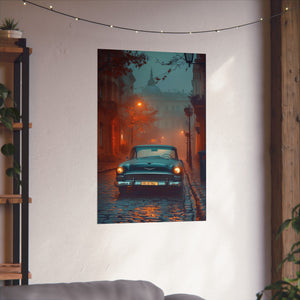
x=151 y=136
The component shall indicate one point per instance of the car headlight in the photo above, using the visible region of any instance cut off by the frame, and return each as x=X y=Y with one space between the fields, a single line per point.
x=177 y=170
x=120 y=170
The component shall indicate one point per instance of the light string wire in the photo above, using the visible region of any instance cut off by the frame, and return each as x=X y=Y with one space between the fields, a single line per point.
x=51 y=9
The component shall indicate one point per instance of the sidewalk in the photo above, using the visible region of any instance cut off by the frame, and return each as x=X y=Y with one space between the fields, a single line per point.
x=198 y=187
x=105 y=166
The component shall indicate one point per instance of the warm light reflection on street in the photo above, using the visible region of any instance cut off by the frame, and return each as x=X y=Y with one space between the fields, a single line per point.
x=151 y=205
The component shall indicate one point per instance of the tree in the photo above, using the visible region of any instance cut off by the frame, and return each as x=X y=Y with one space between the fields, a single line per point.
x=117 y=63
x=176 y=61
x=138 y=116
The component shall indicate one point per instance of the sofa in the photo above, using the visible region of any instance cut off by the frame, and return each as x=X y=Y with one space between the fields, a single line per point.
x=100 y=290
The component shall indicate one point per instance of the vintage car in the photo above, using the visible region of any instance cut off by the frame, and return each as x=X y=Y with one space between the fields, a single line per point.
x=151 y=166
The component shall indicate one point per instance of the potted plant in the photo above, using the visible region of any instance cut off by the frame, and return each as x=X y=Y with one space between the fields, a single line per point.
x=8 y=115
x=287 y=288
x=9 y=29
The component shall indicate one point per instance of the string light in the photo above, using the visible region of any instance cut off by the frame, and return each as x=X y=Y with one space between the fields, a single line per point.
x=136 y=30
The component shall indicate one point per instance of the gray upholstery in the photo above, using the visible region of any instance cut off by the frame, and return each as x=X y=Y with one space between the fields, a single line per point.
x=98 y=290
x=182 y=297
x=101 y=290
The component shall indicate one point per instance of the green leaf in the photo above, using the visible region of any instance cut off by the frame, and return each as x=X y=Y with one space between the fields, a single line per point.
x=4 y=91
x=10 y=172
x=290 y=280
x=295 y=210
x=6 y=122
x=277 y=285
x=296 y=224
x=295 y=245
x=8 y=149
x=1 y=100
x=296 y=251
x=291 y=257
x=259 y=295
x=284 y=225
x=13 y=113
x=2 y=112
x=17 y=168
x=9 y=24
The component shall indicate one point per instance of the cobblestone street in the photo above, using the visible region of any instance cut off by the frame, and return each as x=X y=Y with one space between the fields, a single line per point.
x=150 y=205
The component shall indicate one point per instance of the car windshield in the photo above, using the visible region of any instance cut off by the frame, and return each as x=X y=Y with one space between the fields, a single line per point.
x=153 y=152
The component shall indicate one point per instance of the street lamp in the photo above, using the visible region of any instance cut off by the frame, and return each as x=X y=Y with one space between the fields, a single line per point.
x=189 y=57
x=187 y=145
x=139 y=104
x=189 y=112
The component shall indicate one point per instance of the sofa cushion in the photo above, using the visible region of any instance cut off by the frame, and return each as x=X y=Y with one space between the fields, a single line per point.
x=98 y=290
x=182 y=297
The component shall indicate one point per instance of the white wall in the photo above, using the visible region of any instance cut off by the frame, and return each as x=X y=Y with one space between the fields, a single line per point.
x=225 y=257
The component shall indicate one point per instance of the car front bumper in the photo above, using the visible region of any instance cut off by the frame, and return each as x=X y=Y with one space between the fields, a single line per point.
x=148 y=180
x=148 y=183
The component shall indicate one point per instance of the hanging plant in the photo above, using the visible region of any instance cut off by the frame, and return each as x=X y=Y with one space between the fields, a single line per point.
x=8 y=115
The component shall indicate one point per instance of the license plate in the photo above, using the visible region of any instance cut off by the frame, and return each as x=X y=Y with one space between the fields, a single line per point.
x=149 y=183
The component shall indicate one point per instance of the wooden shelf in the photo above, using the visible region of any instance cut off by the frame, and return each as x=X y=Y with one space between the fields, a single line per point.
x=12 y=199
x=15 y=51
x=17 y=126
x=9 y=50
x=11 y=272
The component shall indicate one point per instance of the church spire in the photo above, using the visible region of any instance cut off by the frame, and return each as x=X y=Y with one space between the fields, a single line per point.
x=151 y=80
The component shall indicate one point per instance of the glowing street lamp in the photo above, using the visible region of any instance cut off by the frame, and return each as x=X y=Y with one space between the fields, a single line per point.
x=138 y=104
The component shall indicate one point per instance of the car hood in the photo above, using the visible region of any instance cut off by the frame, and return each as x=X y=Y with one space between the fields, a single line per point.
x=150 y=164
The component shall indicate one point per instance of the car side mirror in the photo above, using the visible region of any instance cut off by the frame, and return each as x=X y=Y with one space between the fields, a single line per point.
x=126 y=157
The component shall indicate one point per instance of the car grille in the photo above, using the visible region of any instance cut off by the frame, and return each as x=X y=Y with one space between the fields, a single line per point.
x=154 y=177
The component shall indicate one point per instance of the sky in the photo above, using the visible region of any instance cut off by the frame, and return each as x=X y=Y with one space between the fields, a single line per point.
x=178 y=79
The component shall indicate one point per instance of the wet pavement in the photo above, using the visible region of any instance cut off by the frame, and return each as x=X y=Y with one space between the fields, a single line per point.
x=150 y=205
